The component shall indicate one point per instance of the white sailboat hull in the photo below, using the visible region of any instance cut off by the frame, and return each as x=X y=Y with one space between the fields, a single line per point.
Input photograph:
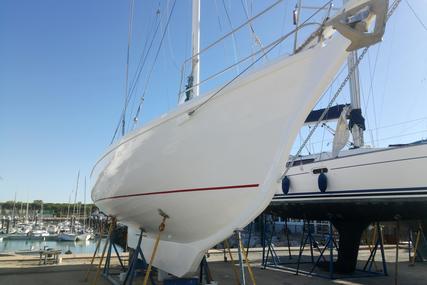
x=67 y=237
x=83 y=237
x=213 y=171
x=391 y=174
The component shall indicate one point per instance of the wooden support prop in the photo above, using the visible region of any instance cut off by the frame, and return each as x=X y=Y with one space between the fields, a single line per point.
x=236 y=274
x=153 y=255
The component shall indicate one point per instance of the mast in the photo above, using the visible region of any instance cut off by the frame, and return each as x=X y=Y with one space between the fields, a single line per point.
x=41 y=213
x=13 y=211
x=69 y=204
x=356 y=111
x=26 y=212
x=357 y=122
x=195 y=40
x=84 y=207
x=73 y=219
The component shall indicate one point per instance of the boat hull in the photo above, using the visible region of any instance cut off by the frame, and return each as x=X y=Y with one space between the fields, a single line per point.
x=214 y=170
x=67 y=237
x=374 y=185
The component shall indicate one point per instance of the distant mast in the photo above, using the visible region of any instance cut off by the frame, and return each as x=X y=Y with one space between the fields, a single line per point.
x=26 y=212
x=195 y=40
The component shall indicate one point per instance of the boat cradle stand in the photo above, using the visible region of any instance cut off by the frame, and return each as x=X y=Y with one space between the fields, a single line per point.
x=367 y=268
x=135 y=263
x=323 y=261
x=107 y=251
x=270 y=258
x=419 y=246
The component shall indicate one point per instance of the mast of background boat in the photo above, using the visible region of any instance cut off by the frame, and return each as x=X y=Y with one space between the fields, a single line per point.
x=73 y=218
x=26 y=212
x=84 y=207
x=195 y=40
x=41 y=213
x=13 y=211
x=296 y=15
x=356 y=130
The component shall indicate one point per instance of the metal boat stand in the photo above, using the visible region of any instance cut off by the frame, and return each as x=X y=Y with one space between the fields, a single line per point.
x=367 y=269
x=108 y=246
x=111 y=245
x=330 y=244
x=313 y=243
x=205 y=273
x=419 y=246
x=378 y=244
x=135 y=263
x=269 y=250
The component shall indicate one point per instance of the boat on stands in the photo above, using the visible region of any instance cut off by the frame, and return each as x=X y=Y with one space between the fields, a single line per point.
x=357 y=186
x=236 y=140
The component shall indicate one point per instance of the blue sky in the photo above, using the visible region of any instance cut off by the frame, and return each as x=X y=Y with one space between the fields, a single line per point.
x=62 y=70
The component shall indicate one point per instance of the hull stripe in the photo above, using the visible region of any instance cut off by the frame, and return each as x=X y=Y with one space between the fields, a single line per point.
x=180 y=191
x=355 y=194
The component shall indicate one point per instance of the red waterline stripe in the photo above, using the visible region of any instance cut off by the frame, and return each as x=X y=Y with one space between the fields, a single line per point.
x=180 y=191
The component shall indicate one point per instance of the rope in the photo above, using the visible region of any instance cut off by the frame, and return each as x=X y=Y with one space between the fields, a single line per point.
x=337 y=93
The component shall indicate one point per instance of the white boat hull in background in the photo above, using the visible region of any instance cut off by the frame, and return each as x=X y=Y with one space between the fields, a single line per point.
x=213 y=171
x=83 y=237
x=67 y=237
x=361 y=174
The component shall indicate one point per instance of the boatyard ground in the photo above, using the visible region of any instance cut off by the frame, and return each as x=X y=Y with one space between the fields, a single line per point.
x=72 y=270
